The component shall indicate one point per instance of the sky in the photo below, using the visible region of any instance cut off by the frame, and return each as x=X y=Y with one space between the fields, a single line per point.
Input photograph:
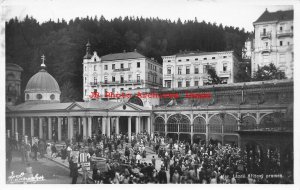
x=228 y=12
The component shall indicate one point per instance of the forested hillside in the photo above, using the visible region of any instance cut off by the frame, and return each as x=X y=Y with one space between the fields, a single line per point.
x=63 y=43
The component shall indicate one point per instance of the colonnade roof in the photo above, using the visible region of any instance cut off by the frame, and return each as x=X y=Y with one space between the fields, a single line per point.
x=69 y=106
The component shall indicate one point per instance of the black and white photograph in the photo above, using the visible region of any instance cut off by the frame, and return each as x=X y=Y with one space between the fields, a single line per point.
x=148 y=92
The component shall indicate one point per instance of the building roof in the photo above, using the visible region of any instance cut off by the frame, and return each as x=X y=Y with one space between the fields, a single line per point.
x=276 y=16
x=121 y=56
x=42 y=82
x=12 y=66
x=198 y=53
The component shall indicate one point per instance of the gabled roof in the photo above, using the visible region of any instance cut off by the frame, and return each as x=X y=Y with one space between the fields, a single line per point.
x=276 y=16
x=121 y=56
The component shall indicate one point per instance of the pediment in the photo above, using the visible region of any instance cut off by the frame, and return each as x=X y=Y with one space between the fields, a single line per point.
x=75 y=106
x=125 y=107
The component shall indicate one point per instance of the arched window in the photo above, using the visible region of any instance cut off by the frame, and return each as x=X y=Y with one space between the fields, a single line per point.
x=199 y=125
x=229 y=124
x=27 y=96
x=178 y=121
x=136 y=100
x=248 y=123
x=159 y=124
x=272 y=120
x=215 y=125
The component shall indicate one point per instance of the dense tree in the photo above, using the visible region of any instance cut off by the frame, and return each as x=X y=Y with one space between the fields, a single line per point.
x=212 y=76
x=64 y=43
x=268 y=72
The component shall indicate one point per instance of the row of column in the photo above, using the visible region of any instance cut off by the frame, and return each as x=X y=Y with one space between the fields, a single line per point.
x=86 y=123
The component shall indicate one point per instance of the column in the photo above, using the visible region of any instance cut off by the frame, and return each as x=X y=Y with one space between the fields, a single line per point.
x=136 y=125
x=89 y=127
x=117 y=125
x=166 y=125
x=12 y=127
x=148 y=125
x=23 y=126
x=192 y=126
x=70 y=123
x=40 y=127
x=79 y=125
x=59 y=129
x=16 y=125
x=84 y=128
x=49 y=128
x=207 y=126
x=108 y=126
x=103 y=125
x=32 y=126
x=129 y=128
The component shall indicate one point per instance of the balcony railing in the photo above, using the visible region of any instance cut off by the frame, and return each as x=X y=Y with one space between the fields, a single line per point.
x=121 y=69
x=222 y=73
x=284 y=33
x=94 y=83
x=108 y=83
x=265 y=35
x=266 y=49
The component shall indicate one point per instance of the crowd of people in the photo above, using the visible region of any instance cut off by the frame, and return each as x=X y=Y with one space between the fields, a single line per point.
x=173 y=161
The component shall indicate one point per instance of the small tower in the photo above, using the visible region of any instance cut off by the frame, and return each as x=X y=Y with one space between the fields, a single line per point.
x=88 y=54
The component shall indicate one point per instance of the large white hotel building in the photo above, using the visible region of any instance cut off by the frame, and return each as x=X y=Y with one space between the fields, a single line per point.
x=187 y=69
x=118 y=72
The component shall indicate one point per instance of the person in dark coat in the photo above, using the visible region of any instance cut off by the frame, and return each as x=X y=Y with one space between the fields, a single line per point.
x=35 y=149
x=74 y=169
x=63 y=153
x=162 y=176
x=70 y=167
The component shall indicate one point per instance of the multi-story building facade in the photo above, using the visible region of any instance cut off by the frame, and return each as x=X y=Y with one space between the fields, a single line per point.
x=13 y=83
x=273 y=42
x=187 y=69
x=118 y=72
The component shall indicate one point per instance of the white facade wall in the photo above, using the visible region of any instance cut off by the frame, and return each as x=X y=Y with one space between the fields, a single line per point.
x=97 y=71
x=275 y=47
x=218 y=60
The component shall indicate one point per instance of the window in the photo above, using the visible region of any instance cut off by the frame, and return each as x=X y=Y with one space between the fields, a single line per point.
x=105 y=92
x=196 y=70
x=149 y=77
x=113 y=90
x=52 y=96
x=224 y=57
x=138 y=64
x=154 y=68
x=280 y=43
x=282 y=58
x=85 y=92
x=213 y=57
x=129 y=77
x=39 y=96
x=105 y=67
x=122 y=79
x=204 y=58
x=105 y=79
x=160 y=80
x=113 y=78
x=187 y=83
x=225 y=67
x=179 y=60
x=84 y=79
x=169 y=60
x=168 y=83
x=95 y=80
x=292 y=27
x=84 y=68
x=138 y=77
x=196 y=83
x=288 y=43
x=129 y=65
x=113 y=66
x=179 y=70
x=280 y=28
x=187 y=59
x=95 y=68
x=121 y=89
x=196 y=59
x=169 y=70
x=266 y=44
x=187 y=71
x=148 y=65
x=27 y=96
x=264 y=31
x=122 y=66
x=160 y=70
x=179 y=84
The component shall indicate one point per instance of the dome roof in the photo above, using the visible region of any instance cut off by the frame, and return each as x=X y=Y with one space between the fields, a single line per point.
x=42 y=82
